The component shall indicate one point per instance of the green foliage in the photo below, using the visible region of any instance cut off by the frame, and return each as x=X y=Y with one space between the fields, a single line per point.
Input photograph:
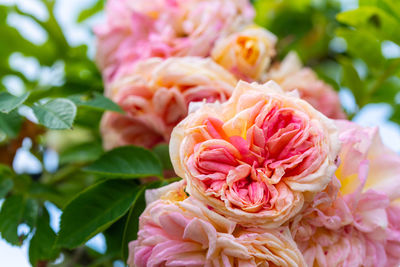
x=85 y=152
x=162 y=152
x=304 y=26
x=56 y=114
x=69 y=96
x=10 y=125
x=9 y=102
x=96 y=101
x=17 y=209
x=365 y=29
x=6 y=184
x=97 y=207
x=41 y=244
x=11 y=214
x=127 y=162
x=362 y=44
x=132 y=223
x=75 y=71
x=374 y=19
x=315 y=28
x=351 y=79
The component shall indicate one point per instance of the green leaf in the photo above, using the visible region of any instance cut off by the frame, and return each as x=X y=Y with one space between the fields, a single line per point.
x=393 y=6
x=85 y=152
x=22 y=183
x=385 y=87
x=396 y=114
x=11 y=215
x=162 y=152
x=132 y=220
x=96 y=101
x=386 y=91
x=56 y=114
x=127 y=162
x=47 y=192
x=368 y=2
x=10 y=124
x=31 y=212
x=374 y=20
x=16 y=210
x=362 y=44
x=352 y=80
x=392 y=67
x=390 y=6
x=88 y=118
x=6 y=184
x=113 y=236
x=5 y=170
x=94 y=210
x=9 y=102
x=41 y=244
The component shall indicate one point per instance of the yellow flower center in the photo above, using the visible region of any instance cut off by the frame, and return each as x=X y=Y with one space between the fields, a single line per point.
x=247 y=48
x=153 y=14
x=349 y=183
x=175 y=195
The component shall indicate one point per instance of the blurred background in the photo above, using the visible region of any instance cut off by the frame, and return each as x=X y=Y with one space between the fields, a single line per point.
x=47 y=48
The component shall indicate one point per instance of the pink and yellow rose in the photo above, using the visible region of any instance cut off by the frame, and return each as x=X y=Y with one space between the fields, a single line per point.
x=136 y=30
x=356 y=220
x=247 y=54
x=256 y=157
x=290 y=75
x=155 y=95
x=177 y=230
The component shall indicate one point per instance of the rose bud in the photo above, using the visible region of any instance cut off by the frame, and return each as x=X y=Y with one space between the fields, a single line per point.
x=137 y=30
x=356 y=220
x=247 y=54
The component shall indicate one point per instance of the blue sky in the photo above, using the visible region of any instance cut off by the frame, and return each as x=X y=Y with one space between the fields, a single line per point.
x=66 y=11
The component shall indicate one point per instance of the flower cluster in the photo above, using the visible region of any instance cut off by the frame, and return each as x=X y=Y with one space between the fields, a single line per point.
x=137 y=29
x=266 y=168
x=355 y=221
x=270 y=175
x=192 y=37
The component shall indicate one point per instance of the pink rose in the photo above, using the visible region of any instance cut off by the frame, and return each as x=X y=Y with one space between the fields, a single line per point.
x=155 y=95
x=136 y=30
x=118 y=130
x=247 y=54
x=253 y=157
x=392 y=247
x=175 y=231
x=355 y=221
x=290 y=75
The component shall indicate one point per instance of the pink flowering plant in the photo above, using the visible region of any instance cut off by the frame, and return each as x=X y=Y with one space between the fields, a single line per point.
x=201 y=133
